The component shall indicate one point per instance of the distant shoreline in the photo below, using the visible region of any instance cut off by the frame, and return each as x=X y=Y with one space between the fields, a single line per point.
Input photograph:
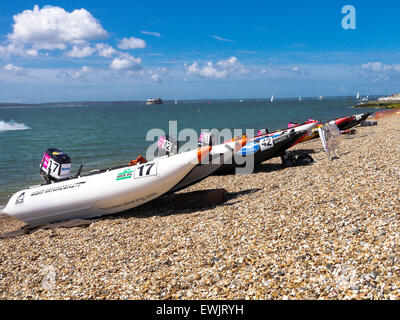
x=63 y=104
x=168 y=101
x=379 y=105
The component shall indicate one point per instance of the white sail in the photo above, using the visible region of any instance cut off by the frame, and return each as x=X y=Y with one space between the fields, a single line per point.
x=272 y=98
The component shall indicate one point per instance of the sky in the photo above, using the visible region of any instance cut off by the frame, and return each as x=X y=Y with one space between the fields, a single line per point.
x=133 y=50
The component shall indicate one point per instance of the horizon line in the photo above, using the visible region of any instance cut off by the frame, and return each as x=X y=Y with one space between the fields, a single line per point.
x=188 y=99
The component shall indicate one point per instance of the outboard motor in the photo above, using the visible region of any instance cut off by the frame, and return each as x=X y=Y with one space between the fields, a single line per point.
x=55 y=165
x=167 y=146
x=262 y=131
x=206 y=139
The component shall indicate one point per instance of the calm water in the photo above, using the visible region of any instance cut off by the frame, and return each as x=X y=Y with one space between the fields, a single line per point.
x=112 y=133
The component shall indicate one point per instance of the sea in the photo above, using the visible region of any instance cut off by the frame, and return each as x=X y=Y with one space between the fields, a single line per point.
x=106 y=134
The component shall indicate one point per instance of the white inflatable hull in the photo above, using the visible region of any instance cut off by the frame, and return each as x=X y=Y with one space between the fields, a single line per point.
x=220 y=154
x=103 y=193
x=306 y=127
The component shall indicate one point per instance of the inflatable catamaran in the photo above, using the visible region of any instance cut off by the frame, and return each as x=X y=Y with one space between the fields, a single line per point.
x=219 y=155
x=306 y=126
x=264 y=147
x=343 y=124
x=101 y=192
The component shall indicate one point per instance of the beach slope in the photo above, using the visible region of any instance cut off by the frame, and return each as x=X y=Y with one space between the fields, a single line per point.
x=329 y=230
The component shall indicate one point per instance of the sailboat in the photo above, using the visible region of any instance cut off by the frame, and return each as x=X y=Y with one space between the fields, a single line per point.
x=358 y=96
x=300 y=99
x=272 y=98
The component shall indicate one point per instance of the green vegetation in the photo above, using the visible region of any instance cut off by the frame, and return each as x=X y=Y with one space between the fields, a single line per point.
x=380 y=105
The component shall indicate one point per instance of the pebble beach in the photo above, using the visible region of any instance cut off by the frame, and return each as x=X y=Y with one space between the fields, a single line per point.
x=328 y=230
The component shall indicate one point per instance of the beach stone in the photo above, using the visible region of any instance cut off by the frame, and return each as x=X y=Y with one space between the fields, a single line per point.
x=275 y=236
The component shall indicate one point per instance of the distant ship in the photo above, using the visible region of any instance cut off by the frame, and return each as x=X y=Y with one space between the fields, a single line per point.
x=176 y=101
x=154 y=101
x=272 y=98
x=300 y=99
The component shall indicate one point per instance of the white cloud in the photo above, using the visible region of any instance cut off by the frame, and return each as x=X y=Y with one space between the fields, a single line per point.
x=157 y=74
x=380 y=67
x=11 y=67
x=379 y=71
x=229 y=63
x=80 y=51
x=222 y=39
x=284 y=71
x=156 y=78
x=155 y=34
x=80 y=74
x=373 y=66
x=296 y=69
x=104 y=50
x=48 y=46
x=16 y=70
x=132 y=43
x=32 y=52
x=125 y=62
x=221 y=69
x=52 y=28
x=208 y=71
x=213 y=72
x=16 y=49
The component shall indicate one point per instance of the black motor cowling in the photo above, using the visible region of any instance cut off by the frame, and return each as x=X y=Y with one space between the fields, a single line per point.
x=55 y=165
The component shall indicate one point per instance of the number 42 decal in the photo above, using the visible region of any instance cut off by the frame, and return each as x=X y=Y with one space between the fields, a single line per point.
x=266 y=143
x=146 y=170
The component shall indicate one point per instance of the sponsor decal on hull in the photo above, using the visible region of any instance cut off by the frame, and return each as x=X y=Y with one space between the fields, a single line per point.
x=124 y=204
x=20 y=199
x=281 y=138
x=126 y=174
x=250 y=148
x=147 y=169
x=58 y=188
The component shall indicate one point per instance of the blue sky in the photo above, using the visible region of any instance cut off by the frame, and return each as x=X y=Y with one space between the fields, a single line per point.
x=132 y=50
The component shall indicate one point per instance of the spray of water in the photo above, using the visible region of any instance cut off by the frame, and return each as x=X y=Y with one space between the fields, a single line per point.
x=12 y=125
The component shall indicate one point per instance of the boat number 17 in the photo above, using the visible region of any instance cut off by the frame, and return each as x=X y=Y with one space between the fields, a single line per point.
x=146 y=170
x=51 y=163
